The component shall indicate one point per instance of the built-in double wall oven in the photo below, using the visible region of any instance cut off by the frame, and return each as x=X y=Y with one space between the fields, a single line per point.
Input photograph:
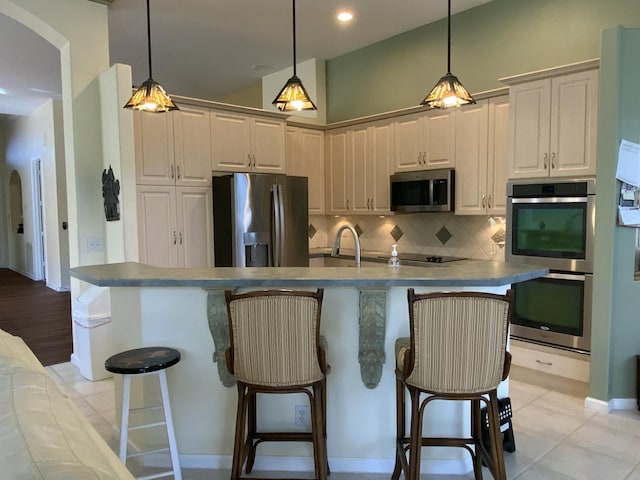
x=551 y=222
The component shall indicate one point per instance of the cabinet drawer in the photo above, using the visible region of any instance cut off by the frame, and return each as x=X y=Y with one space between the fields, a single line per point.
x=549 y=360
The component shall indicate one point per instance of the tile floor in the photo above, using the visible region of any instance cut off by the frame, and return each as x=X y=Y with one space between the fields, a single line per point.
x=556 y=437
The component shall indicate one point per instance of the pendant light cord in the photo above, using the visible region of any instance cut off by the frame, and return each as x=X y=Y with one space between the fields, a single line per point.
x=294 y=37
x=448 y=38
x=149 y=38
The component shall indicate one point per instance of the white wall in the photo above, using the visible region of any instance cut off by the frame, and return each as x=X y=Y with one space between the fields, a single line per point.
x=28 y=139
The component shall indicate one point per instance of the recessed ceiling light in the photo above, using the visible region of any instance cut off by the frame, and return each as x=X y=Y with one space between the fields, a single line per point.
x=345 y=16
x=2 y=91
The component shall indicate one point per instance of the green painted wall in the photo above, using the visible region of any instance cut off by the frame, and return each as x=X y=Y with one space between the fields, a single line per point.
x=616 y=338
x=497 y=39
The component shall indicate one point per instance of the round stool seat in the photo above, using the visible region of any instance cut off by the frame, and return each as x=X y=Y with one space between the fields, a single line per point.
x=142 y=360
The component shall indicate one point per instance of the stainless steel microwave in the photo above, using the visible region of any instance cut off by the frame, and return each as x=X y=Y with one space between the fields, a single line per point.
x=423 y=191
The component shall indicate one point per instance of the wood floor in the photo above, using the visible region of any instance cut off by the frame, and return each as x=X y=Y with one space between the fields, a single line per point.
x=41 y=316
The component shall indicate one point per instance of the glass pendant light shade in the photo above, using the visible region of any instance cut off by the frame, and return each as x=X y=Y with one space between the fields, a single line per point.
x=293 y=96
x=448 y=92
x=150 y=97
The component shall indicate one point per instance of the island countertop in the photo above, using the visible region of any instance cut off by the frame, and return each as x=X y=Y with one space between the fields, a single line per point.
x=462 y=273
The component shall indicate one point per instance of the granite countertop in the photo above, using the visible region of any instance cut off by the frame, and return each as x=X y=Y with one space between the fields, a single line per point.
x=460 y=273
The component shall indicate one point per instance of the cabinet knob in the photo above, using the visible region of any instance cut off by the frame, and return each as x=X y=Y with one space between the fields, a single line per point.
x=254 y=160
x=178 y=170
x=545 y=160
x=553 y=160
x=489 y=201
x=172 y=173
x=483 y=205
x=180 y=235
x=175 y=237
x=249 y=157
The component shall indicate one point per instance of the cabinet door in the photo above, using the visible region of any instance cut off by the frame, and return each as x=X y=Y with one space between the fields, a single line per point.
x=439 y=137
x=231 y=142
x=154 y=148
x=471 y=157
x=305 y=158
x=268 y=145
x=192 y=146
x=361 y=171
x=313 y=157
x=157 y=231
x=381 y=154
x=338 y=172
x=195 y=226
x=498 y=155
x=408 y=144
x=530 y=105
x=574 y=101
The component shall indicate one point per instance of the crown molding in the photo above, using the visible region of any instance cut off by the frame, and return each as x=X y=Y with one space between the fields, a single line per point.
x=104 y=2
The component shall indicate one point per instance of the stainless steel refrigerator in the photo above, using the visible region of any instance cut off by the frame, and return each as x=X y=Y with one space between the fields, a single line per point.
x=260 y=220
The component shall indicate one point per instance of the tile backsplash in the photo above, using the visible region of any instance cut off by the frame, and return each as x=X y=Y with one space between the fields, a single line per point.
x=480 y=237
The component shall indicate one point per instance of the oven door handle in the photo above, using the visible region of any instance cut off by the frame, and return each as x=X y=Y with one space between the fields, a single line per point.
x=566 y=276
x=549 y=200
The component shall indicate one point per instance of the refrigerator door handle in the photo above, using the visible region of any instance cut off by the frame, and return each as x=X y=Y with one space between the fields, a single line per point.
x=282 y=240
x=276 y=225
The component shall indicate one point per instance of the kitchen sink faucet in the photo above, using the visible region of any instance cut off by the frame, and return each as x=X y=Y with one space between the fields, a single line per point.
x=336 y=244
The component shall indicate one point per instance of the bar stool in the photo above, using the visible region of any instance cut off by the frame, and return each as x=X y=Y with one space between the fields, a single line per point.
x=276 y=349
x=456 y=351
x=145 y=361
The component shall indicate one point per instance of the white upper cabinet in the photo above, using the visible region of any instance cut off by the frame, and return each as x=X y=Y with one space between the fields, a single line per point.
x=425 y=141
x=358 y=165
x=305 y=158
x=472 y=126
x=173 y=148
x=554 y=126
x=244 y=143
x=338 y=171
x=482 y=145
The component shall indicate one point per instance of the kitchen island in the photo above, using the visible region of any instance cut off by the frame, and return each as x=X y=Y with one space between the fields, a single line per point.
x=364 y=311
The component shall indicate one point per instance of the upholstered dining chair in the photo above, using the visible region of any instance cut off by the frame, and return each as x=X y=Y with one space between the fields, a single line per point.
x=456 y=351
x=276 y=349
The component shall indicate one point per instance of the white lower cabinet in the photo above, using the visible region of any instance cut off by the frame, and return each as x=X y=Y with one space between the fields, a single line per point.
x=553 y=361
x=175 y=226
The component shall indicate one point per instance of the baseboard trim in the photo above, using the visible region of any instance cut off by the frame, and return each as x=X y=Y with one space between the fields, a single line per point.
x=305 y=464
x=602 y=406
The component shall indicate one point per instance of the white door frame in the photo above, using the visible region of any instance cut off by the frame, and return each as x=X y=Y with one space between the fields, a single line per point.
x=39 y=230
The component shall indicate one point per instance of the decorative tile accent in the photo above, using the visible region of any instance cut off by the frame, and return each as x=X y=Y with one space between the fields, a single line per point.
x=312 y=230
x=443 y=235
x=396 y=233
x=359 y=230
x=498 y=237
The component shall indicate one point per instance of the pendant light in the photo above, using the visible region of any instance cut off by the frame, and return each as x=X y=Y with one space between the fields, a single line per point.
x=448 y=92
x=150 y=97
x=293 y=95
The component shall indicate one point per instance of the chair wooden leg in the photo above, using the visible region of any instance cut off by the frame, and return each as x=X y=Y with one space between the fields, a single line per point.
x=400 y=429
x=497 y=451
x=251 y=431
x=318 y=434
x=415 y=441
x=476 y=434
x=324 y=420
x=238 y=444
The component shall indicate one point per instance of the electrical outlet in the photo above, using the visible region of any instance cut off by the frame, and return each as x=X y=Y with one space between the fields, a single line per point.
x=301 y=418
x=94 y=244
